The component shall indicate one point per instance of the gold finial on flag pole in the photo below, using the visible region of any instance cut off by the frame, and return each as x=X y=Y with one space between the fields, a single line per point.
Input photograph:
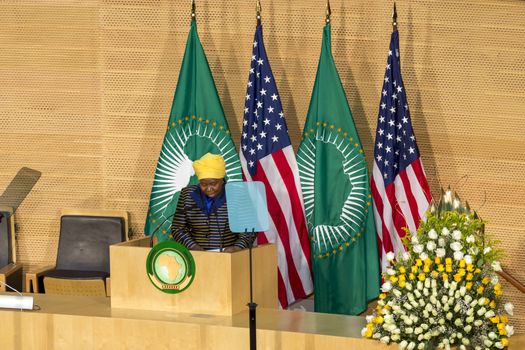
x=394 y=18
x=258 y=12
x=328 y=11
x=193 y=10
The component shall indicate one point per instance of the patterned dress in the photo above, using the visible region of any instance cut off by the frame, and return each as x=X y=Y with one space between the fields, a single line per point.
x=204 y=221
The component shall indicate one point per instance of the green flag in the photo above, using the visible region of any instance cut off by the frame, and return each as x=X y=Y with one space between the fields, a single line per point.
x=339 y=212
x=196 y=126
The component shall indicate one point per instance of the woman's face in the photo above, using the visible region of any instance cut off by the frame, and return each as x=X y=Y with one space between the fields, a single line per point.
x=211 y=187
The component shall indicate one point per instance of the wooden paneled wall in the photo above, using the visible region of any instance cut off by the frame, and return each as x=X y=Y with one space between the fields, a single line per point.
x=86 y=88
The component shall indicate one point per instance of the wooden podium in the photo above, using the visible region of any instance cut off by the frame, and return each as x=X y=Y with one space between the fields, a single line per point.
x=221 y=285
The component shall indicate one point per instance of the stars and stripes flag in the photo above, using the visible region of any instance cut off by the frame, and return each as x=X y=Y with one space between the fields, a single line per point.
x=399 y=186
x=267 y=155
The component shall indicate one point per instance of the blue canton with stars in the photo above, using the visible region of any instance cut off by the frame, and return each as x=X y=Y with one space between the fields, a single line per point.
x=264 y=128
x=395 y=147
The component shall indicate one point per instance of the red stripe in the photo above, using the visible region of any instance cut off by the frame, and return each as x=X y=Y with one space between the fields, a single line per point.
x=410 y=197
x=281 y=291
x=298 y=214
x=282 y=228
x=421 y=177
x=386 y=240
x=397 y=214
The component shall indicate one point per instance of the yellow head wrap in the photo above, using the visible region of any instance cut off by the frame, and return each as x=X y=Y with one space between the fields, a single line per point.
x=210 y=166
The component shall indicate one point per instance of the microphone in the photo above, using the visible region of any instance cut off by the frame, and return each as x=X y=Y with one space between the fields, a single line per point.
x=158 y=227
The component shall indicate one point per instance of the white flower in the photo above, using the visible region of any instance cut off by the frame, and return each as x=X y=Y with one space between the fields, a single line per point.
x=386 y=287
x=509 y=308
x=456 y=234
x=423 y=256
x=468 y=328
x=418 y=248
x=489 y=314
x=496 y=266
x=411 y=346
x=478 y=323
x=414 y=239
x=498 y=345
x=487 y=250
x=487 y=343
x=468 y=259
x=431 y=245
x=405 y=256
x=471 y=239
x=492 y=335
x=510 y=330
x=473 y=250
x=391 y=272
x=385 y=339
x=441 y=242
x=363 y=332
x=441 y=252
x=494 y=279
x=458 y=255
x=369 y=318
x=390 y=256
x=445 y=231
x=432 y=234
x=458 y=322
x=456 y=246
x=403 y=345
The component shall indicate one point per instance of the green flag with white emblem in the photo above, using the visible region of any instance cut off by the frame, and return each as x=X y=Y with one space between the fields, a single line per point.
x=196 y=126
x=339 y=212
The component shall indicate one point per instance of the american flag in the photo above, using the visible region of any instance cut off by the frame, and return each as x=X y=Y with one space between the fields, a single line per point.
x=399 y=186
x=267 y=155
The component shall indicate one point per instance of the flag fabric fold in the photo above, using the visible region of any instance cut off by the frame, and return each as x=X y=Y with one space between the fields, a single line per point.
x=267 y=155
x=196 y=126
x=335 y=184
x=399 y=186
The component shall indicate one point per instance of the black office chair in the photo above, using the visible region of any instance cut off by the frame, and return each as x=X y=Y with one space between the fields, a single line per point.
x=82 y=265
x=10 y=271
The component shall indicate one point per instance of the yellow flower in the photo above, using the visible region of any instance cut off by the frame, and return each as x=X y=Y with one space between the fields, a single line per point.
x=501 y=326
x=369 y=330
x=494 y=319
x=419 y=262
x=441 y=268
x=462 y=263
x=492 y=304
x=504 y=342
x=437 y=260
x=402 y=278
x=393 y=279
x=502 y=331
x=421 y=277
x=382 y=296
x=470 y=277
x=401 y=284
x=504 y=318
x=445 y=277
x=414 y=269
x=485 y=280
x=378 y=320
x=412 y=276
x=469 y=285
x=448 y=268
x=435 y=274
x=448 y=261
x=487 y=301
x=462 y=272
x=497 y=287
x=470 y=267
x=477 y=271
x=386 y=307
x=480 y=289
x=426 y=269
x=428 y=262
x=457 y=277
x=402 y=269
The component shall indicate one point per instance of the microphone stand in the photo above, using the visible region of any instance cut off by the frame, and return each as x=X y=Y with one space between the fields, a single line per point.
x=251 y=305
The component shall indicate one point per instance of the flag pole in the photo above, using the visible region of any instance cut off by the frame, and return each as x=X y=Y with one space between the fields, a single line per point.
x=394 y=18
x=258 y=12
x=193 y=10
x=328 y=11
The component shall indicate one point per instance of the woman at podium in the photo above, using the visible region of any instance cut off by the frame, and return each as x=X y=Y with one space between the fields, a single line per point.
x=201 y=219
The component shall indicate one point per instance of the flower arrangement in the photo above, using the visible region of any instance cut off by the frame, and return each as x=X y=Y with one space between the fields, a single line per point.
x=443 y=291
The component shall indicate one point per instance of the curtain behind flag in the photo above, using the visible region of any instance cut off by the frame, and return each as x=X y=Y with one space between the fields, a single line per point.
x=399 y=186
x=334 y=179
x=196 y=126
x=267 y=155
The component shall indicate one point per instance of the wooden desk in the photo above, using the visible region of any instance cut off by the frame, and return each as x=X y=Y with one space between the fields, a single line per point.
x=90 y=323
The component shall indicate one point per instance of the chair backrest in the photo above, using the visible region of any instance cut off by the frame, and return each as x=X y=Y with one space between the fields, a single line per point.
x=85 y=237
x=7 y=239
